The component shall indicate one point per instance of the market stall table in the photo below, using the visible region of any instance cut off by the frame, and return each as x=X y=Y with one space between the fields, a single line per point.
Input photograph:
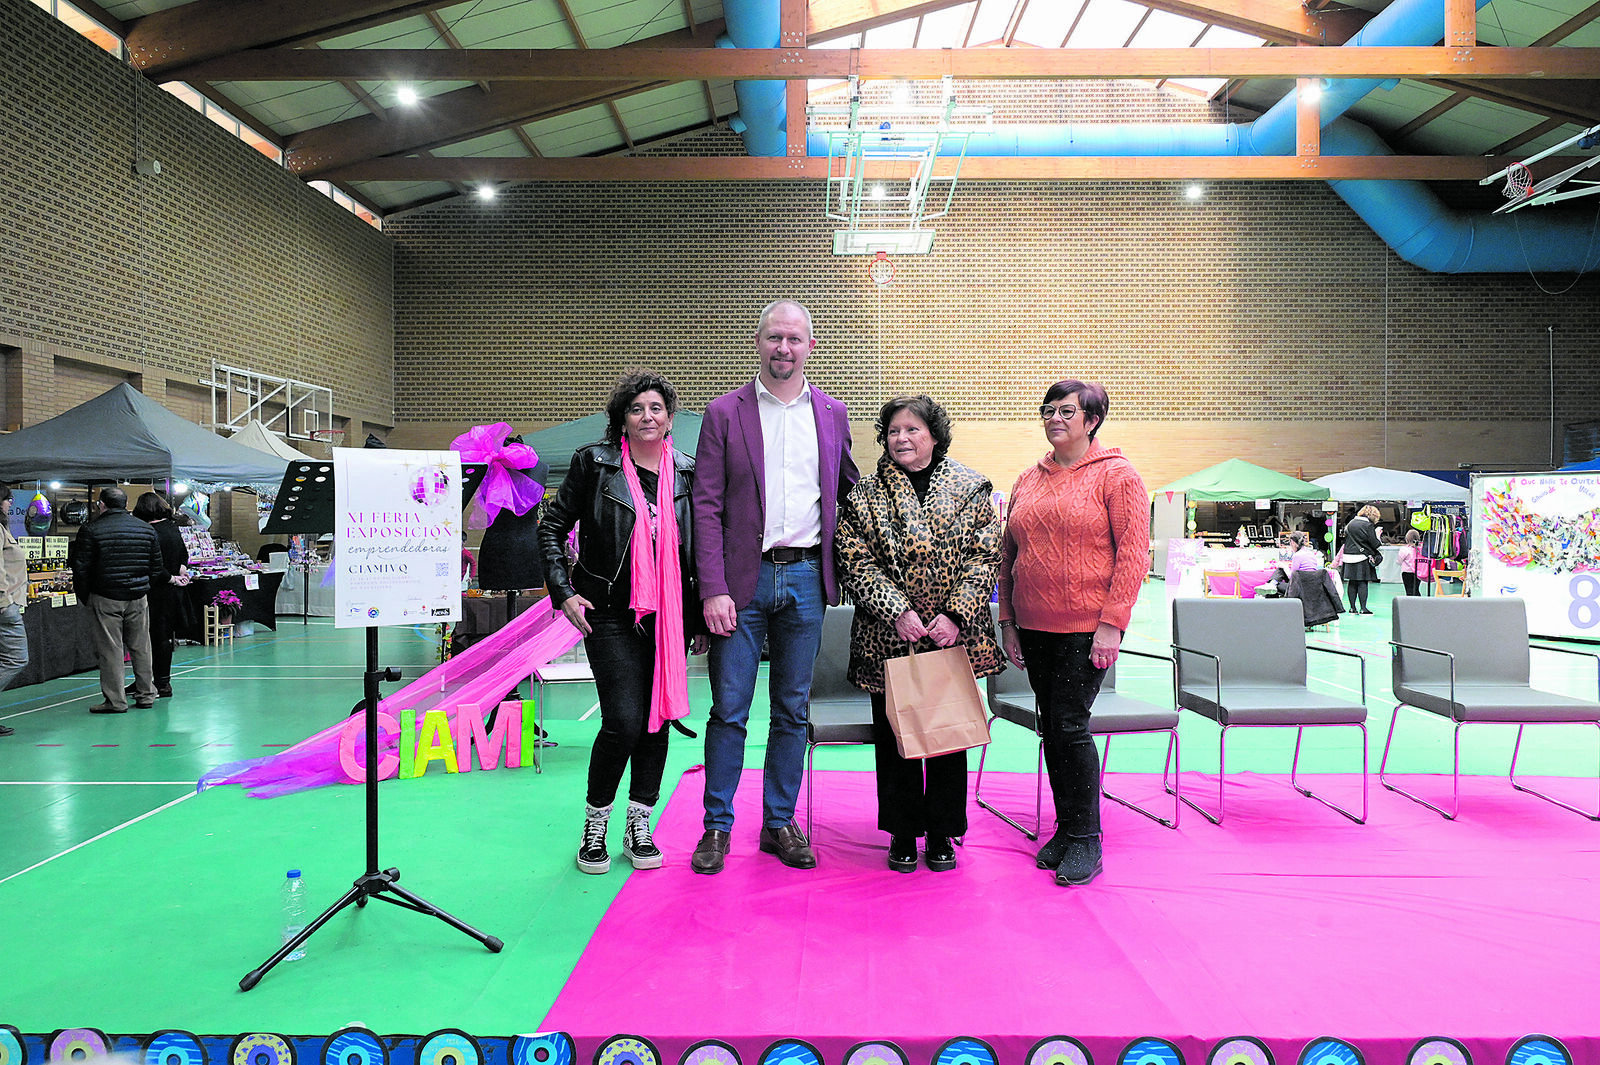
x=60 y=642
x=259 y=603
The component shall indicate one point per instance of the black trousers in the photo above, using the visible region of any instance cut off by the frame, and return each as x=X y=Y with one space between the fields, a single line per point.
x=622 y=656
x=1065 y=685
x=917 y=796
x=163 y=620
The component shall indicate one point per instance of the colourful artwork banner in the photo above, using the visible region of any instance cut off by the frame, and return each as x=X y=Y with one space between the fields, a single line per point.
x=397 y=537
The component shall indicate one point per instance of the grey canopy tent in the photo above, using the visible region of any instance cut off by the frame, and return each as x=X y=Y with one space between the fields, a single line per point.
x=556 y=444
x=125 y=435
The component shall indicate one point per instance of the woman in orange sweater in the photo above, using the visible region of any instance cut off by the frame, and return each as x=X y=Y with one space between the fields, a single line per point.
x=1075 y=551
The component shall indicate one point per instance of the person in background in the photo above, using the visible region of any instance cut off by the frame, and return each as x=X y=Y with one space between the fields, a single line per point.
x=773 y=463
x=115 y=561
x=155 y=510
x=632 y=594
x=1408 y=562
x=13 y=600
x=918 y=545
x=1075 y=551
x=1361 y=552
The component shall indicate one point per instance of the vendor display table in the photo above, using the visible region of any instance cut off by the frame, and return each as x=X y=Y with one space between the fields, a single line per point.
x=294 y=598
x=482 y=615
x=259 y=603
x=60 y=642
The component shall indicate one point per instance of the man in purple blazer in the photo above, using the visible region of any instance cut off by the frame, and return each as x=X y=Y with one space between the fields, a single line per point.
x=772 y=464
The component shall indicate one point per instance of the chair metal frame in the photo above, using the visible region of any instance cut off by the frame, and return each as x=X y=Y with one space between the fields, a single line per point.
x=553 y=673
x=1455 y=770
x=1170 y=770
x=848 y=697
x=1294 y=769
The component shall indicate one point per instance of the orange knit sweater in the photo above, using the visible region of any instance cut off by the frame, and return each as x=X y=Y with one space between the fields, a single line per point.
x=1077 y=544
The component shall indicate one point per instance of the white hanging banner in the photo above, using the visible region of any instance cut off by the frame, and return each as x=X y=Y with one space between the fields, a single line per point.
x=397 y=537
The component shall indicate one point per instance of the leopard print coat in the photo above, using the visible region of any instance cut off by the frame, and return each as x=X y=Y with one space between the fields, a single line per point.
x=935 y=557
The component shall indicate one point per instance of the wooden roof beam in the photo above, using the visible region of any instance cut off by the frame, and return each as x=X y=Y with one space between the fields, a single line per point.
x=675 y=64
x=974 y=168
x=165 y=41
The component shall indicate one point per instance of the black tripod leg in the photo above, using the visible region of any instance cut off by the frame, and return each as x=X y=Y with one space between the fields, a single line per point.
x=357 y=894
x=422 y=905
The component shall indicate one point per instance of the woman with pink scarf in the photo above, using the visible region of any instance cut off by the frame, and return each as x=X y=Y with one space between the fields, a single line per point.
x=631 y=592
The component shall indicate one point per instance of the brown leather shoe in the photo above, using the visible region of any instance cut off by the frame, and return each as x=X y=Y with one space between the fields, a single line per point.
x=710 y=851
x=790 y=845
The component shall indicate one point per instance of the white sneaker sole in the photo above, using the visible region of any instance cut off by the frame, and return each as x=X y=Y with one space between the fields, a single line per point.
x=595 y=868
x=652 y=862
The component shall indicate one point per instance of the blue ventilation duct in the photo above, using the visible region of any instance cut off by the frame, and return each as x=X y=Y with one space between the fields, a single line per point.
x=1406 y=215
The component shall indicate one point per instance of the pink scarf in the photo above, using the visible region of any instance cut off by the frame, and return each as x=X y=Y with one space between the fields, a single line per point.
x=658 y=586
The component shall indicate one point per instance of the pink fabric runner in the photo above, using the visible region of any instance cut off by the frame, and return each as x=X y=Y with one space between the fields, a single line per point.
x=1288 y=924
x=478 y=677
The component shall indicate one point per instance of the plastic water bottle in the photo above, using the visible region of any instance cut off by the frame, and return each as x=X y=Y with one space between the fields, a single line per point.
x=294 y=912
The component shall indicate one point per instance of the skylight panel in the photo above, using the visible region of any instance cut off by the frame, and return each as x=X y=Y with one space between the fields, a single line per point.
x=1046 y=25
x=1106 y=24
x=990 y=26
x=945 y=28
x=1166 y=30
x=895 y=35
x=1222 y=37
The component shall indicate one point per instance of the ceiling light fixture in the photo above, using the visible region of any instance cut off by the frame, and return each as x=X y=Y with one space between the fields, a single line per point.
x=878 y=192
x=1194 y=192
x=406 y=96
x=486 y=192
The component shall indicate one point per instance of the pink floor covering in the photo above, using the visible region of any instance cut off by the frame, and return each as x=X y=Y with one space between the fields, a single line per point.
x=1319 y=940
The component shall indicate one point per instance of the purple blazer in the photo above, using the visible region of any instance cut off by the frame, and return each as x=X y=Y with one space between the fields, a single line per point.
x=730 y=491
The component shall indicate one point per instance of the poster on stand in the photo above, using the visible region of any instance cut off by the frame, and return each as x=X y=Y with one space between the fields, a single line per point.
x=397 y=537
x=1537 y=536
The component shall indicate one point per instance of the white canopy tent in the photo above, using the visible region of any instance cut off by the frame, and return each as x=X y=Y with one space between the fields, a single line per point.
x=257 y=435
x=1376 y=483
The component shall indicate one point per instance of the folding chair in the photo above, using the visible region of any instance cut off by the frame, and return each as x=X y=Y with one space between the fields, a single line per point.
x=839 y=713
x=1468 y=660
x=1012 y=699
x=1243 y=664
x=1229 y=578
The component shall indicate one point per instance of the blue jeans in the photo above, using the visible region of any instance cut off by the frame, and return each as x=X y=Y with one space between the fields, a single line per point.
x=786 y=613
x=13 y=645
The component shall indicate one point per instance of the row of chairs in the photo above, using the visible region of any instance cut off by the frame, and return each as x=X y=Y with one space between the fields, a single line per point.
x=1244 y=663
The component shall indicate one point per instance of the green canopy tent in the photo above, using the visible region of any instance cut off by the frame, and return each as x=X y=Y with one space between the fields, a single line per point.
x=1237 y=479
x=1231 y=481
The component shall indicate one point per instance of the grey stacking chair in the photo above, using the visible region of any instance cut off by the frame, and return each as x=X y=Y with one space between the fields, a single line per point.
x=839 y=712
x=1467 y=660
x=1011 y=699
x=1242 y=663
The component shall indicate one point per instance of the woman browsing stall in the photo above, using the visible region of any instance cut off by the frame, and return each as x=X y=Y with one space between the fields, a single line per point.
x=1075 y=551
x=918 y=544
x=631 y=592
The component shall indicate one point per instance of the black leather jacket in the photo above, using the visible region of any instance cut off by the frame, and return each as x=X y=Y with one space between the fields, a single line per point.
x=595 y=498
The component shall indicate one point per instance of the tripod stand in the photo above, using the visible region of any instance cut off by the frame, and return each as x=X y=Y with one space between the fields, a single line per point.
x=374 y=883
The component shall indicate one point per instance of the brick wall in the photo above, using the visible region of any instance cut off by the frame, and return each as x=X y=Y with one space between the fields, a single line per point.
x=222 y=257
x=1268 y=308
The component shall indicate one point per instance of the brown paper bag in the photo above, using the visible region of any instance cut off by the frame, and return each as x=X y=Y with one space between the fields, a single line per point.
x=933 y=703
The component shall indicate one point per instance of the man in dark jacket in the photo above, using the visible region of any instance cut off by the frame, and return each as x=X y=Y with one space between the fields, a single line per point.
x=115 y=560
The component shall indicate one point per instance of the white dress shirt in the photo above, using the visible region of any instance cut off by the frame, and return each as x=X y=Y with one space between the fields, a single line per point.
x=793 y=471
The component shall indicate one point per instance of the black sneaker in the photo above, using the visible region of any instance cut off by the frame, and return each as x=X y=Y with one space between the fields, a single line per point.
x=940 y=855
x=6 y=730
x=903 y=854
x=1050 y=854
x=637 y=845
x=1081 y=863
x=593 y=857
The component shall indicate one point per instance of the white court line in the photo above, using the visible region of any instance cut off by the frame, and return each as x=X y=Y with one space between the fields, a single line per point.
x=98 y=783
x=587 y=714
x=103 y=835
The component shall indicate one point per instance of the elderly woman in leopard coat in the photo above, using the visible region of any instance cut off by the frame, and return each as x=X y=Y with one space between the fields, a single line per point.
x=918 y=546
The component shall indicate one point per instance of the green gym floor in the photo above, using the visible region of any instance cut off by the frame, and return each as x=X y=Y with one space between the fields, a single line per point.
x=134 y=904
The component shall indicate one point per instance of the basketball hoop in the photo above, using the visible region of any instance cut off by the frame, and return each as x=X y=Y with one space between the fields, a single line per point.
x=1519 y=182
x=331 y=437
x=880 y=269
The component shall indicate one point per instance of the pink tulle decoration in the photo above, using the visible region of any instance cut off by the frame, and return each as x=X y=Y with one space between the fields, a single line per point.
x=505 y=486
